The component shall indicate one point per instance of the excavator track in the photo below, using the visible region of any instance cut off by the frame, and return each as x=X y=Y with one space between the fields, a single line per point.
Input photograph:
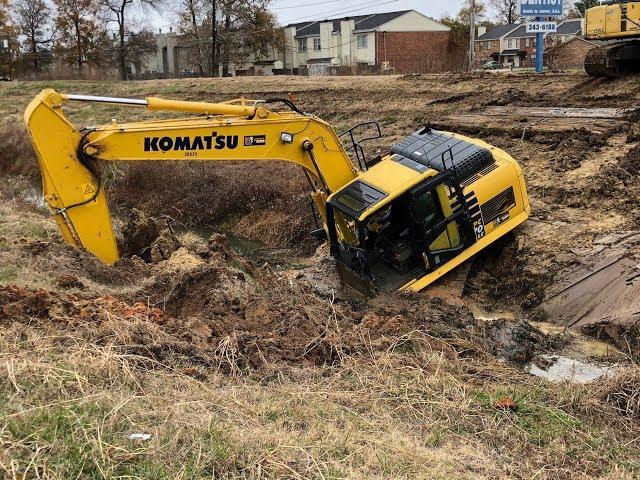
x=613 y=60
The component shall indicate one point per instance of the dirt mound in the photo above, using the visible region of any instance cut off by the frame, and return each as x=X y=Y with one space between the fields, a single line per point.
x=149 y=238
x=619 y=182
x=208 y=305
x=571 y=151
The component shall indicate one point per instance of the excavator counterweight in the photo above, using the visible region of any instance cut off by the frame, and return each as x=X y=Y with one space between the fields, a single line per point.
x=430 y=204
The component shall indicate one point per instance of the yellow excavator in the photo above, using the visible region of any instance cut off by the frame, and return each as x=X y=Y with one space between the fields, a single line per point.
x=395 y=222
x=617 y=23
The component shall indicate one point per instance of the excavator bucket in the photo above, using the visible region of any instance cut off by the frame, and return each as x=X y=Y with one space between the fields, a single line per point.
x=71 y=190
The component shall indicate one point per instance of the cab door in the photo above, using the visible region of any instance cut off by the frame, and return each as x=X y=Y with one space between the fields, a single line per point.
x=439 y=230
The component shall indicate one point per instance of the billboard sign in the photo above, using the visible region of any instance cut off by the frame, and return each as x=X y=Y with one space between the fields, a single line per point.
x=542 y=27
x=541 y=8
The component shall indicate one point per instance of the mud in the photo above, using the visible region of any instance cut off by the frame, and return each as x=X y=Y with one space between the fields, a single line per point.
x=576 y=142
x=209 y=307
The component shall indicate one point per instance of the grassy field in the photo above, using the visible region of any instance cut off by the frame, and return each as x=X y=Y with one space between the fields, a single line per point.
x=239 y=370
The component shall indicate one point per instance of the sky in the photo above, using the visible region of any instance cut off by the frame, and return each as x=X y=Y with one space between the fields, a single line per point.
x=291 y=11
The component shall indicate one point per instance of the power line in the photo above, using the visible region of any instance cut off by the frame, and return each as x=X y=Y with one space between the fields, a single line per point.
x=306 y=4
x=328 y=14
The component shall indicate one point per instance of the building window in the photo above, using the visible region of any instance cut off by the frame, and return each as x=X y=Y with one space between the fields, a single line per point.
x=511 y=43
x=361 y=41
x=526 y=42
x=302 y=45
x=316 y=45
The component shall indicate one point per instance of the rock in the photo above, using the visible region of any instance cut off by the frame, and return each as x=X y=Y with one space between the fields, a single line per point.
x=513 y=341
x=164 y=246
x=66 y=280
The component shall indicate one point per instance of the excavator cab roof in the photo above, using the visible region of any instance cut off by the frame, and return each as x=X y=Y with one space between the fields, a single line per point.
x=419 y=156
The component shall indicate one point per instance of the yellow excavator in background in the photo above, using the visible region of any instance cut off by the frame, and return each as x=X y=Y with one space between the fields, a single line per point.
x=610 y=21
x=398 y=222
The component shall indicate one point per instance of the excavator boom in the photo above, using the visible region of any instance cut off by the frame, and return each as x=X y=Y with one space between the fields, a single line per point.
x=238 y=130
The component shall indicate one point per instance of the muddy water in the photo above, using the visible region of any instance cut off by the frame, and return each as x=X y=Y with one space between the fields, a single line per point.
x=561 y=368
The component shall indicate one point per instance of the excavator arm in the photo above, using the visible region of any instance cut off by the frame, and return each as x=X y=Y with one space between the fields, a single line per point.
x=238 y=130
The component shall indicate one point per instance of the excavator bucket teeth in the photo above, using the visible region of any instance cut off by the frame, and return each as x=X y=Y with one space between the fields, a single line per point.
x=69 y=187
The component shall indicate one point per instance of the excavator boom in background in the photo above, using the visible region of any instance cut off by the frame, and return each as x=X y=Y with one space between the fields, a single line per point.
x=398 y=222
x=617 y=23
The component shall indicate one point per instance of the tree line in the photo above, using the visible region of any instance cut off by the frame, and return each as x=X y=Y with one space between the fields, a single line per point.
x=95 y=37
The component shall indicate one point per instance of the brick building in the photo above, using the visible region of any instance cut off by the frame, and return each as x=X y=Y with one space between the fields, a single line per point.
x=404 y=41
x=567 y=30
x=569 y=54
x=511 y=45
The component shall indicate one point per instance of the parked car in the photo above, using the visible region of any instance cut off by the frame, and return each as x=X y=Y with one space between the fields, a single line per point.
x=492 y=65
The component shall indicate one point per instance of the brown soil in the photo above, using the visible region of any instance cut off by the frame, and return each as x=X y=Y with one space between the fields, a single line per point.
x=580 y=172
x=211 y=307
x=261 y=365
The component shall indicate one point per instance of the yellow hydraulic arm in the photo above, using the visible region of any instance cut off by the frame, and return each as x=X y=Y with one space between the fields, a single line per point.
x=237 y=130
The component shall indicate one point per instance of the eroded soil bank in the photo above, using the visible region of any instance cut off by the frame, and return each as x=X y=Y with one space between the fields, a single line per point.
x=289 y=355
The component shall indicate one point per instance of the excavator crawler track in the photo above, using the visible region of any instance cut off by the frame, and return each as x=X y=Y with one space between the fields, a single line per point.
x=613 y=60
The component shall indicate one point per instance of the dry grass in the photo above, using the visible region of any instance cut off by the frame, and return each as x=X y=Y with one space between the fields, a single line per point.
x=412 y=404
x=68 y=407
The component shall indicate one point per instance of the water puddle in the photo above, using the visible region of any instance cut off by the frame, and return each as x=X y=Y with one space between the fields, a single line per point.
x=34 y=197
x=561 y=368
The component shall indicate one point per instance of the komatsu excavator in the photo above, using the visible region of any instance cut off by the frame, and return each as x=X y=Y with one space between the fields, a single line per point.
x=617 y=23
x=398 y=222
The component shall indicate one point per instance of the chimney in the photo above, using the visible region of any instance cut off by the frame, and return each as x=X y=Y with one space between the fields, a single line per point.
x=481 y=31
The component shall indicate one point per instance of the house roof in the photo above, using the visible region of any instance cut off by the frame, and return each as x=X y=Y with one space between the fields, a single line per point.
x=520 y=32
x=594 y=43
x=498 y=31
x=377 y=19
x=361 y=22
x=569 y=27
x=513 y=51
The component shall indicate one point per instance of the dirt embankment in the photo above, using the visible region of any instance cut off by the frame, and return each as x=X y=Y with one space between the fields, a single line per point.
x=577 y=145
x=199 y=303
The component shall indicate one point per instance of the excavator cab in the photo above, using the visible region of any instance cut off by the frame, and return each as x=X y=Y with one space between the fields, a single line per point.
x=400 y=241
x=398 y=238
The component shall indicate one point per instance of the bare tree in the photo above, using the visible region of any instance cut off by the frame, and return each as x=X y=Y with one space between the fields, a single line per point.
x=33 y=21
x=138 y=46
x=192 y=14
x=214 y=38
x=81 y=36
x=119 y=10
x=8 y=40
x=506 y=10
x=464 y=15
x=247 y=28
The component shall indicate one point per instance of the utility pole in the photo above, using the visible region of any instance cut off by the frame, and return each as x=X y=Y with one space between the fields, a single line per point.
x=214 y=43
x=472 y=34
